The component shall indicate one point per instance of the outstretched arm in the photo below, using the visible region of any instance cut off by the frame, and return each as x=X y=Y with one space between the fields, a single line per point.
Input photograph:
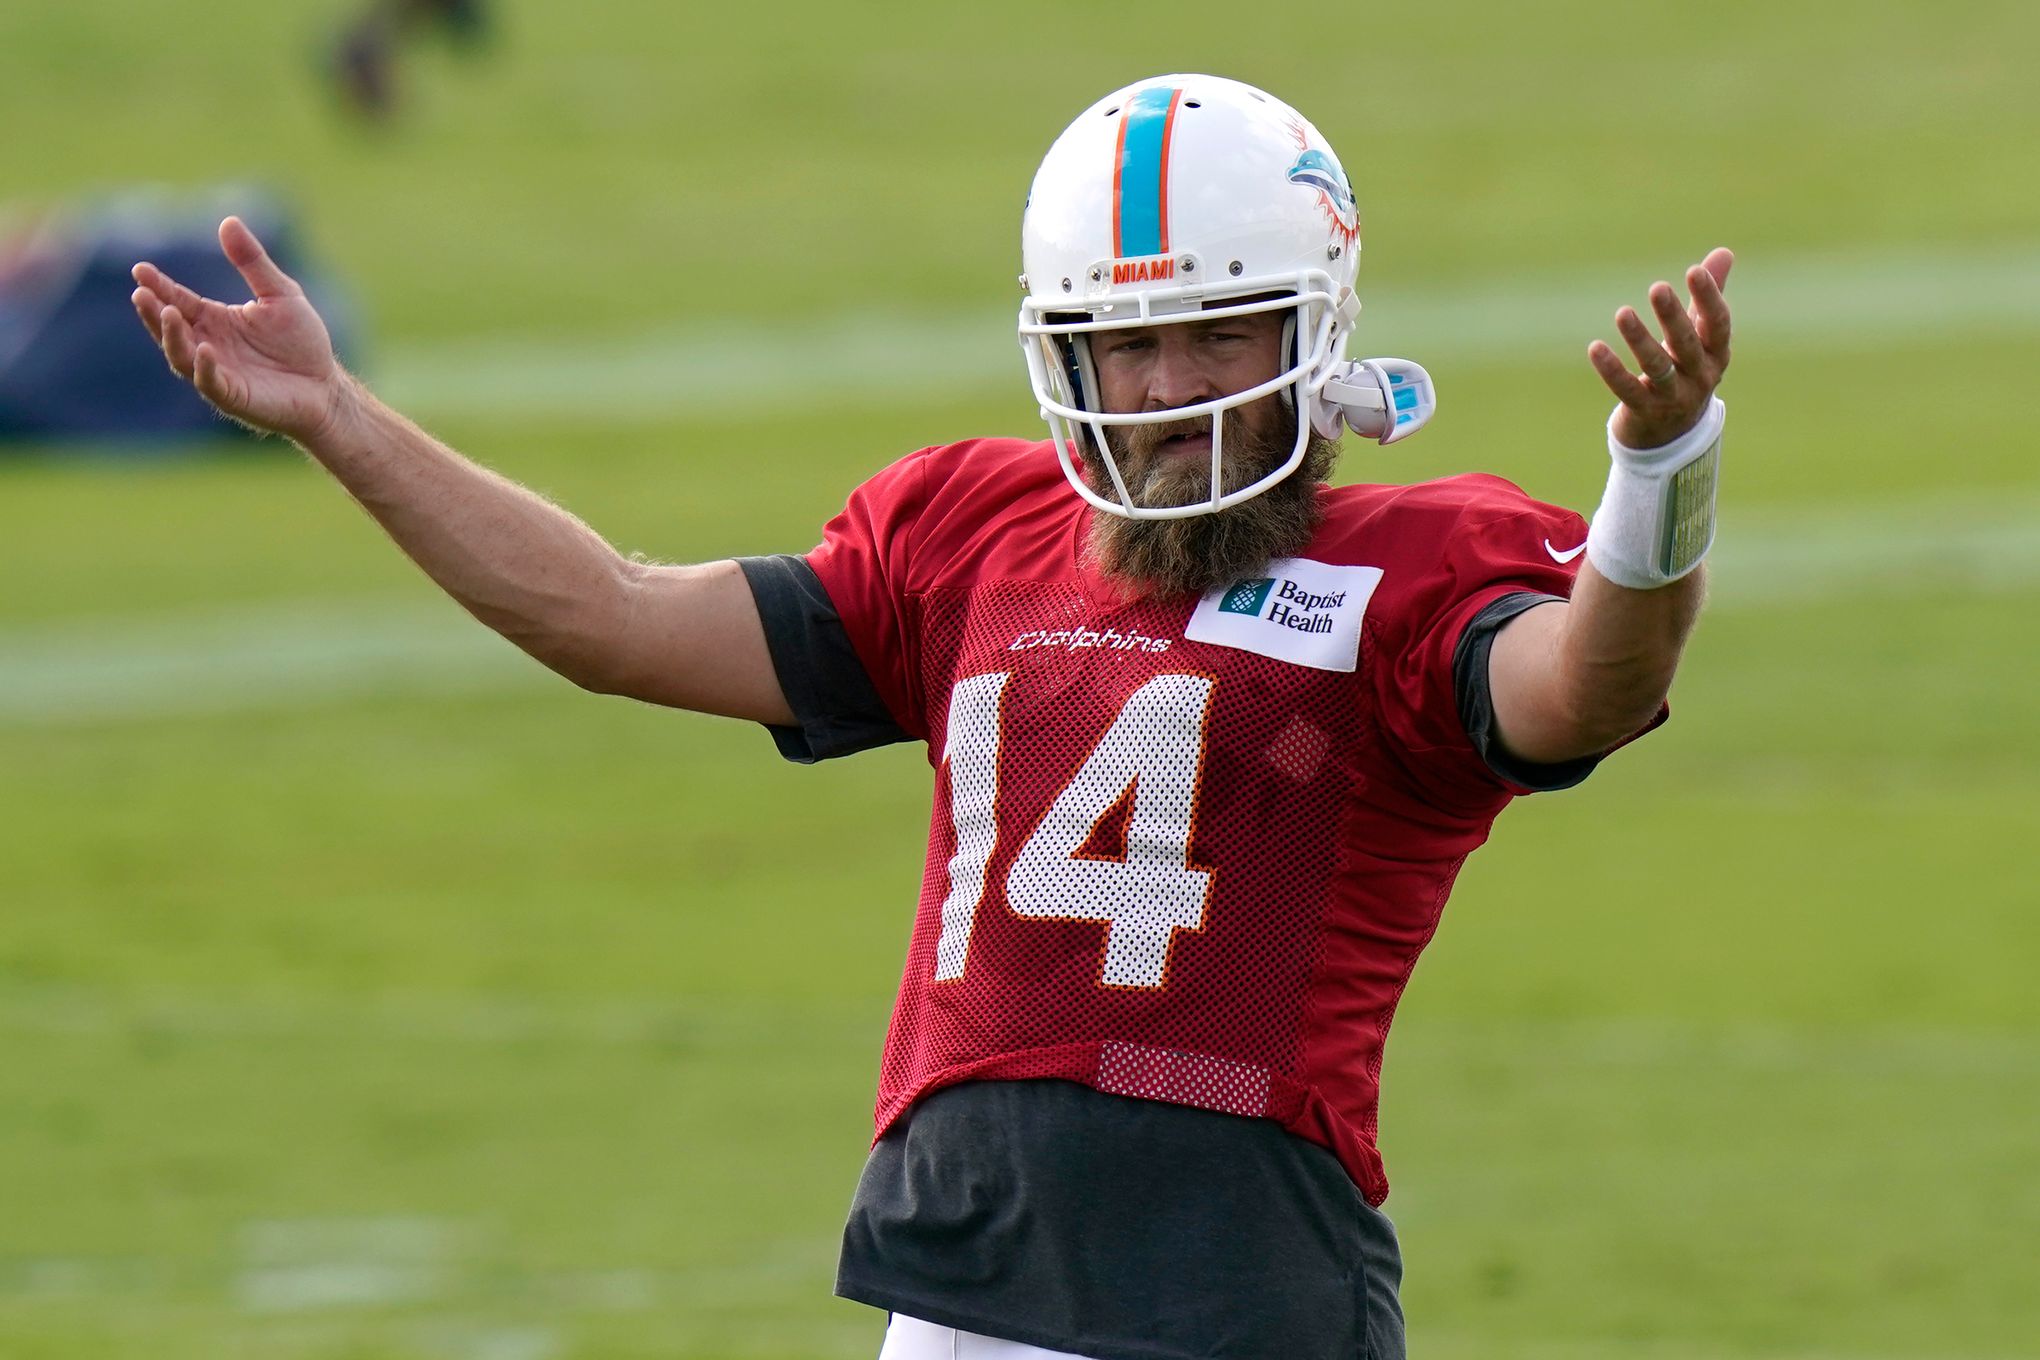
x=689 y=636
x=1572 y=679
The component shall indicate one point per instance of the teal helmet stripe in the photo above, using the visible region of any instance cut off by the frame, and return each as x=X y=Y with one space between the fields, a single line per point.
x=1140 y=188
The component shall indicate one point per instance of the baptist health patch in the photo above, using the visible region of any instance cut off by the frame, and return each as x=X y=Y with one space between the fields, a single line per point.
x=1302 y=611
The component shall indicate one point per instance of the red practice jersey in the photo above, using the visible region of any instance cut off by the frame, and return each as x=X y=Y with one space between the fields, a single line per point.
x=1185 y=849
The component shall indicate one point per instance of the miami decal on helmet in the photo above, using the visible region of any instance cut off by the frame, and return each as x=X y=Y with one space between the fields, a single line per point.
x=1140 y=174
x=1315 y=169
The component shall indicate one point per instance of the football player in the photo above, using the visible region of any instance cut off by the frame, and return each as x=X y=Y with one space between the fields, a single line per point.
x=1210 y=738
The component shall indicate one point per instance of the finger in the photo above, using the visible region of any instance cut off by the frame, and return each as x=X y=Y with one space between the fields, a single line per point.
x=1718 y=262
x=169 y=290
x=1650 y=355
x=1678 y=328
x=211 y=381
x=148 y=306
x=177 y=341
x=1618 y=378
x=1710 y=311
x=246 y=254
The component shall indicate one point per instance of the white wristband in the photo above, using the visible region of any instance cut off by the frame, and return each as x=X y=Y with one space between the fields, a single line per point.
x=1656 y=520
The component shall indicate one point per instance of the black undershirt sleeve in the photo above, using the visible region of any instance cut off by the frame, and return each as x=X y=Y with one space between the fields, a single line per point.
x=835 y=706
x=1476 y=700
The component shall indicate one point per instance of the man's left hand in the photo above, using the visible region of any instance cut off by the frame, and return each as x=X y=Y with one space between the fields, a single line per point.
x=1677 y=376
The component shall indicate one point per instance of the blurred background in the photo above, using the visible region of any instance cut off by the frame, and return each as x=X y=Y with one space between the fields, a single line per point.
x=367 y=993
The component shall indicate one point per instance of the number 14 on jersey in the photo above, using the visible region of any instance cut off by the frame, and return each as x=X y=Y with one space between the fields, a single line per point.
x=1146 y=768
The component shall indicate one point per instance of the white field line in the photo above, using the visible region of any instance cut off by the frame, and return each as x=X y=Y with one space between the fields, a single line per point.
x=340 y=1265
x=271 y=656
x=442 y=1292
x=480 y=1021
x=1876 y=1052
x=1965 y=544
x=497 y=1343
x=288 y=1265
x=1834 y=303
x=294 y=654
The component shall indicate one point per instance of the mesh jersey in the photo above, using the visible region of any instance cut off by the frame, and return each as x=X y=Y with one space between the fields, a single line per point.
x=1167 y=857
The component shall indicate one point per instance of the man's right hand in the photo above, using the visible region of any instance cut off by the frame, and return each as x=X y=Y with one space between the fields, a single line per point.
x=267 y=363
x=688 y=637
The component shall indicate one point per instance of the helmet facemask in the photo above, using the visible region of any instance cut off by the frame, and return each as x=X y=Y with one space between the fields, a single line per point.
x=1190 y=554
x=1058 y=349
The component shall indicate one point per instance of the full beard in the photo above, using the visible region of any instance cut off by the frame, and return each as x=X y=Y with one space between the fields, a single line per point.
x=1191 y=555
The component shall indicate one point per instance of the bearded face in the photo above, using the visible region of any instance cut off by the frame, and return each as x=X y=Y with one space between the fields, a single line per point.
x=1167 y=464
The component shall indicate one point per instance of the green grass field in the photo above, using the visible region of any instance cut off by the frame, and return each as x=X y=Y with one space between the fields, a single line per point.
x=366 y=994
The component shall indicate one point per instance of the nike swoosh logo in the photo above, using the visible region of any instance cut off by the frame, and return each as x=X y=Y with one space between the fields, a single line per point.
x=1563 y=557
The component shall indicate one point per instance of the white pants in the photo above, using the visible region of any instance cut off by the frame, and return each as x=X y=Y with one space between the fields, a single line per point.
x=912 y=1339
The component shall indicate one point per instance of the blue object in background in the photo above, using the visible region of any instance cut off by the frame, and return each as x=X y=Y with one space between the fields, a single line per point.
x=75 y=363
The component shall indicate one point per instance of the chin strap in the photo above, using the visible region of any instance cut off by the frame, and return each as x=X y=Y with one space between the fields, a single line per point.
x=1379 y=399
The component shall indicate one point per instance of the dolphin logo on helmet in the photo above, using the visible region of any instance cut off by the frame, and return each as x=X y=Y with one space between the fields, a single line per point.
x=1322 y=173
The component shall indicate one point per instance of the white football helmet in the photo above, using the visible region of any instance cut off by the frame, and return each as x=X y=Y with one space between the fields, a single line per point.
x=1181 y=198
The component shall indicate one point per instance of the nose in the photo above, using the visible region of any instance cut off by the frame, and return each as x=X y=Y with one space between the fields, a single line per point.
x=1177 y=377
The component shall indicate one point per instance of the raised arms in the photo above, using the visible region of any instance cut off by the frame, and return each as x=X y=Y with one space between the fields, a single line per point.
x=1573 y=679
x=685 y=636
